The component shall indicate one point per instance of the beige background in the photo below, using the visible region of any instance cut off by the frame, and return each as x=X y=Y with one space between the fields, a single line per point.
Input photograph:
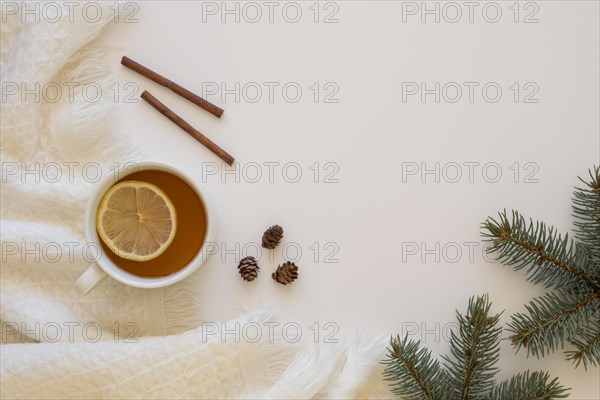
x=374 y=223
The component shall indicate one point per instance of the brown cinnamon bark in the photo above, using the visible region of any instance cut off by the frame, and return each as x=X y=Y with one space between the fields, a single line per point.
x=180 y=90
x=180 y=122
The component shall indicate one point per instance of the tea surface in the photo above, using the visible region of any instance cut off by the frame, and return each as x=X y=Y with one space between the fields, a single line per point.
x=190 y=233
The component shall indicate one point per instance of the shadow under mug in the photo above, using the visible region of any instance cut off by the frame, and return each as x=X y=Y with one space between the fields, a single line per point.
x=104 y=266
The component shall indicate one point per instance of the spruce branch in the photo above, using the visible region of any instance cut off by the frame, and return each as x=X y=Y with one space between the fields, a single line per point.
x=468 y=373
x=529 y=386
x=586 y=213
x=475 y=351
x=550 y=259
x=570 y=268
x=412 y=371
x=588 y=345
x=551 y=320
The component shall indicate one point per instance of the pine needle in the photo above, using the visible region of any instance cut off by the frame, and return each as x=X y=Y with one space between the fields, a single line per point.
x=586 y=212
x=468 y=373
x=549 y=258
x=529 y=386
x=587 y=343
x=475 y=351
x=551 y=320
x=570 y=313
x=413 y=372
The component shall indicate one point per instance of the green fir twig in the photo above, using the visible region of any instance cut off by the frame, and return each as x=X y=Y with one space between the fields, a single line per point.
x=468 y=372
x=551 y=320
x=529 y=386
x=570 y=312
x=550 y=259
x=474 y=351
x=413 y=372
x=587 y=344
x=586 y=213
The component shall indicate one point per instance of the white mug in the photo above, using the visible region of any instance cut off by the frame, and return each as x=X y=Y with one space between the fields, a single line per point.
x=102 y=264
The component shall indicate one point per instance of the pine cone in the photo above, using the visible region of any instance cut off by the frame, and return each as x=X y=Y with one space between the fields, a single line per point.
x=286 y=273
x=272 y=237
x=248 y=268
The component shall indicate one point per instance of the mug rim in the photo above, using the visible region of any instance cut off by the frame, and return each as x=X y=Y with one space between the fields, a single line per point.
x=113 y=270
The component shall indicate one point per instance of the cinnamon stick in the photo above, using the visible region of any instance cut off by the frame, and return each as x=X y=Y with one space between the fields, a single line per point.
x=180 y=90
x=180 y=122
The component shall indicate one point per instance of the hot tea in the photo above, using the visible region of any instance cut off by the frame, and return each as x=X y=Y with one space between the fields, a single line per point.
x=189 y=233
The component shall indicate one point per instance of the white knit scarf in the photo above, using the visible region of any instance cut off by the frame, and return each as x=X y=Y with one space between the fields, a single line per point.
x=118 y=341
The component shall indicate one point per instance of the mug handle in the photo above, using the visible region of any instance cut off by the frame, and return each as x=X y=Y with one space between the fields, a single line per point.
x=90 y=278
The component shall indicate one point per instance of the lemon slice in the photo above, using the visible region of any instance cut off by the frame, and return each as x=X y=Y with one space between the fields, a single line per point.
x=136 y=220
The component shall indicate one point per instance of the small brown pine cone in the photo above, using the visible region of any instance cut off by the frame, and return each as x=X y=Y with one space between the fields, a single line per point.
x=272 y=237
x=286 y=273
x=248 y=268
